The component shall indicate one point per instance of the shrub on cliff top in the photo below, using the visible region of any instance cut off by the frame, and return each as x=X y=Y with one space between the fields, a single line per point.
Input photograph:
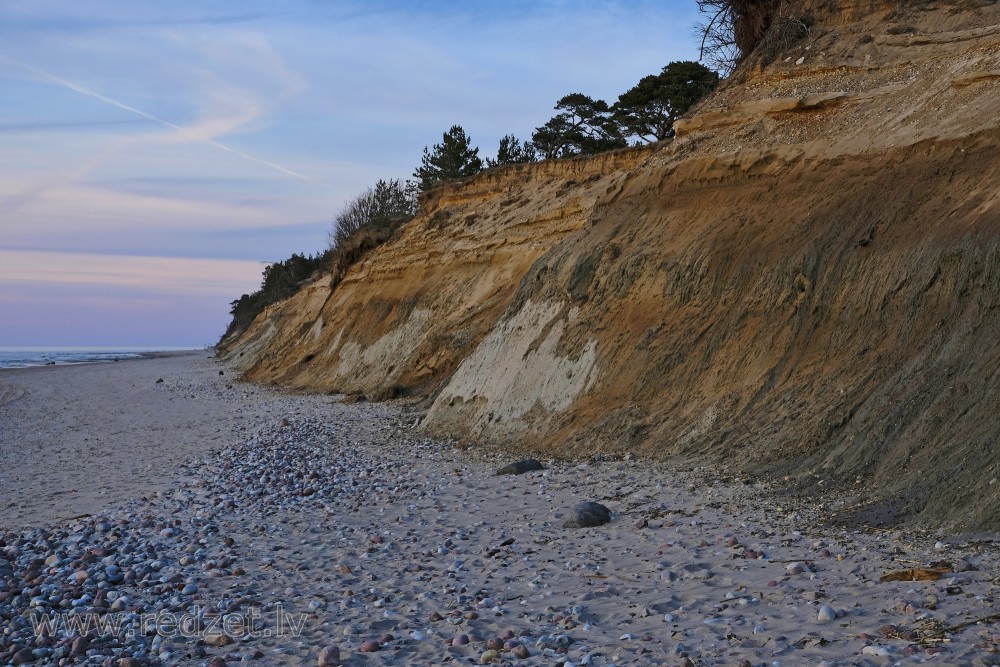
x=366 y=222
x=385 y=202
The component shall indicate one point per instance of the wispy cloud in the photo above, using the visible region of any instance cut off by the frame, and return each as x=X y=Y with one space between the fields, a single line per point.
x=202 y=132
x=42 y=126
x=178 y=276
x=103 y=209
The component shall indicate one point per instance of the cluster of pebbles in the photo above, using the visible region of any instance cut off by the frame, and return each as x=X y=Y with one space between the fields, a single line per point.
x=333 y=534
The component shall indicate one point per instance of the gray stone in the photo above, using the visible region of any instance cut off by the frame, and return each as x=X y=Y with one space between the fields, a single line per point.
x=588 y=515
x=521 y=467
x=554 y=641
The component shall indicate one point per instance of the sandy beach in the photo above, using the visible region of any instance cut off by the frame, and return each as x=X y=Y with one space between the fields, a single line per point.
x=103 y=433
x=198 y=521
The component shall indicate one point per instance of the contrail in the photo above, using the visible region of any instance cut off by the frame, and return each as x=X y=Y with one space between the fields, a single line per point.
x=148 y=116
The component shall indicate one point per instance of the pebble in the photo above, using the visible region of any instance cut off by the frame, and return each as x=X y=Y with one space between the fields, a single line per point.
x=23 y=657
x=329 y=657
x=79 y=646
x=218 y=640
x=826 y=614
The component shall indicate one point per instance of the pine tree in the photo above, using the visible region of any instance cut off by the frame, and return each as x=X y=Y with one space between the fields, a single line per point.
x=584 y=127
x=453 y=158
x=512 y=151
x=649 y=109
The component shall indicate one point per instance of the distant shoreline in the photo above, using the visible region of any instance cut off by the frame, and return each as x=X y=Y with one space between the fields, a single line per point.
x=27 y=358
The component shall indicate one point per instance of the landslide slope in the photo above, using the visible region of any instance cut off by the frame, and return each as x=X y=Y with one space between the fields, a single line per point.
x=805 y=282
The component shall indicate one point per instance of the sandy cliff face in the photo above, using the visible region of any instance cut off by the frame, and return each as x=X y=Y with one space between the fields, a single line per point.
x=806 y=281
x=404 y=318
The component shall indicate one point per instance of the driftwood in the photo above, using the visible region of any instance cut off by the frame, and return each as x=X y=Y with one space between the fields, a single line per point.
x=984 y=619
x=916 y=574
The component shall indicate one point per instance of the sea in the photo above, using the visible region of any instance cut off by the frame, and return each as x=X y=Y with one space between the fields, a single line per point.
x=25 y=357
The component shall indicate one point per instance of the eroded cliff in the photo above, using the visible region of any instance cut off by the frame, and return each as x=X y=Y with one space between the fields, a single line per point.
x=805 y=282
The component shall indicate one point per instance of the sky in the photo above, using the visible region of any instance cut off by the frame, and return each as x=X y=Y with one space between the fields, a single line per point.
x=154 y=157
